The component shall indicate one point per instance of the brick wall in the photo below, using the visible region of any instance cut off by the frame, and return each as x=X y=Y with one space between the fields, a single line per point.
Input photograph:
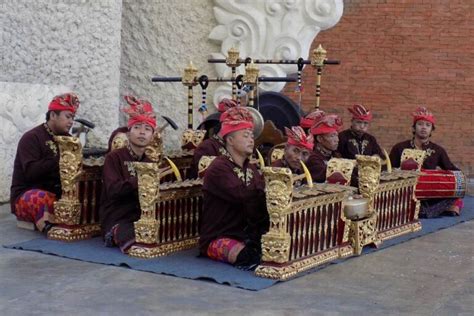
x=396 y=55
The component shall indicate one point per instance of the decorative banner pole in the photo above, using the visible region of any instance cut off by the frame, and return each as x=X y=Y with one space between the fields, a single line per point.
x=203 y=82
x=232 y=61
x=189 y=80
x=317 y=60
x=250 y=79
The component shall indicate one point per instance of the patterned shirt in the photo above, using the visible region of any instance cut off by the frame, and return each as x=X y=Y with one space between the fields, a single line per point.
x=351 y=144
x=435 y=156
x=234 y=202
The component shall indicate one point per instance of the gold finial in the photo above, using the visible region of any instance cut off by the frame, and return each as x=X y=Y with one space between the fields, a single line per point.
x=189 y=76
x=318 y=57
x=251 y=74
x=232 y=59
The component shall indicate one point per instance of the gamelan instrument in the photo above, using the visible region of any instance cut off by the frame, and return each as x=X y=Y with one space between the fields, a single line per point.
x=439 y=184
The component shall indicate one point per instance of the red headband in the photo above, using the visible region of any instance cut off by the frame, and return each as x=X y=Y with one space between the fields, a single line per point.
x=235 y=119
x=422 y=113
x=297 y=137
x=64 y=102
x=308 y=120
x=327 y=124
x=226 y=104
x=359 y=112
x=140 y=111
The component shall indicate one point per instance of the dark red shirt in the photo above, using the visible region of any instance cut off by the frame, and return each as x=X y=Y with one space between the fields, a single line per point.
x=234 y=203
x=119 y=200
x=318 y=161
x=36 y=164
x=435 y=155
x=282 y=163
x=351 y=144
x=213 y=146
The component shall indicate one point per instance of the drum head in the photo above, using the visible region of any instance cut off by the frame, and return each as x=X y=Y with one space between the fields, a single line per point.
x=279 y=109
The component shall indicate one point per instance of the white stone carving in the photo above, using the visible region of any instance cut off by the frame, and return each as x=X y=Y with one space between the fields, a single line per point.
x=270 y=29
x=22 y=107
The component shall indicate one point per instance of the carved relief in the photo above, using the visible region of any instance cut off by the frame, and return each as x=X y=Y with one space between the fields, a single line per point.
x=146 y=228
x=192 y=138
x=370 y=168
x=415 y=154
x=342 y=166
x=67 y=210
x=279 y=191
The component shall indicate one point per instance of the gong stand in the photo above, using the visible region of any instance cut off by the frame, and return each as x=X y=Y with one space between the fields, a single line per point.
x=318 y=60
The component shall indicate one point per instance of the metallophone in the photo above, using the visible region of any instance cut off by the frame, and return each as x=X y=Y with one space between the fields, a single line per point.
x=308 y=226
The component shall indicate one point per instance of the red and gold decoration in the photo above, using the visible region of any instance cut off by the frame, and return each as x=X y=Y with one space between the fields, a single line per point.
x=326 y=123
x=140 y=111
x=235 y=119
x=297 y=137
x=64 y=102
x=360 y=112
x=422 y=113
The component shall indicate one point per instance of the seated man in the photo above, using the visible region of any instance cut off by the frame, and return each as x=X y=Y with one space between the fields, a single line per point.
x=120 y=206
x=36 y=184
x=213 y=146
x=298 y=148
x=325 y=130
x=435 y=158
x=355 y=140
x=234 y=215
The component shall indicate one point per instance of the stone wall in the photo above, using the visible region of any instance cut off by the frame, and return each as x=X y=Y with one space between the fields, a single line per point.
x=51 y=46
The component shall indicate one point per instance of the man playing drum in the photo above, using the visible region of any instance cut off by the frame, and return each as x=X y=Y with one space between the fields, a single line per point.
x=435 y=158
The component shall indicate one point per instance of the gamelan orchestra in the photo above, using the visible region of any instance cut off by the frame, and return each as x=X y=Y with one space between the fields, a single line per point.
x=259 y=184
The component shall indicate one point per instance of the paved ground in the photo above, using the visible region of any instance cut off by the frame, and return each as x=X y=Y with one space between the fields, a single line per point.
x=431 y=275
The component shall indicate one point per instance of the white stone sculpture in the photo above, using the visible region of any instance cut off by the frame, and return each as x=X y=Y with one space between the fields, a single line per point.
x=270 y=29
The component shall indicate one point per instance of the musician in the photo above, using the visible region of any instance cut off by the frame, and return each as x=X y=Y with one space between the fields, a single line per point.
x=435 y=158
x=234 y=215
x=213 y=146
x=325 y=130
x=298 y=148
x=36 y=183
x=120 y=206
x=356 y=140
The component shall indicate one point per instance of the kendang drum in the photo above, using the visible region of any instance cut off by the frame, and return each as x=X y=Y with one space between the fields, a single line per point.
x=435 y=184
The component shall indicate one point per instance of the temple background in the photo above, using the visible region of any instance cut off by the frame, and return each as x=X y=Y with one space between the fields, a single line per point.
x=395 y=56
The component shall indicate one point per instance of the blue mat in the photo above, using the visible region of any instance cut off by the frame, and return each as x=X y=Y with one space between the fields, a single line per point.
x=186 y=264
